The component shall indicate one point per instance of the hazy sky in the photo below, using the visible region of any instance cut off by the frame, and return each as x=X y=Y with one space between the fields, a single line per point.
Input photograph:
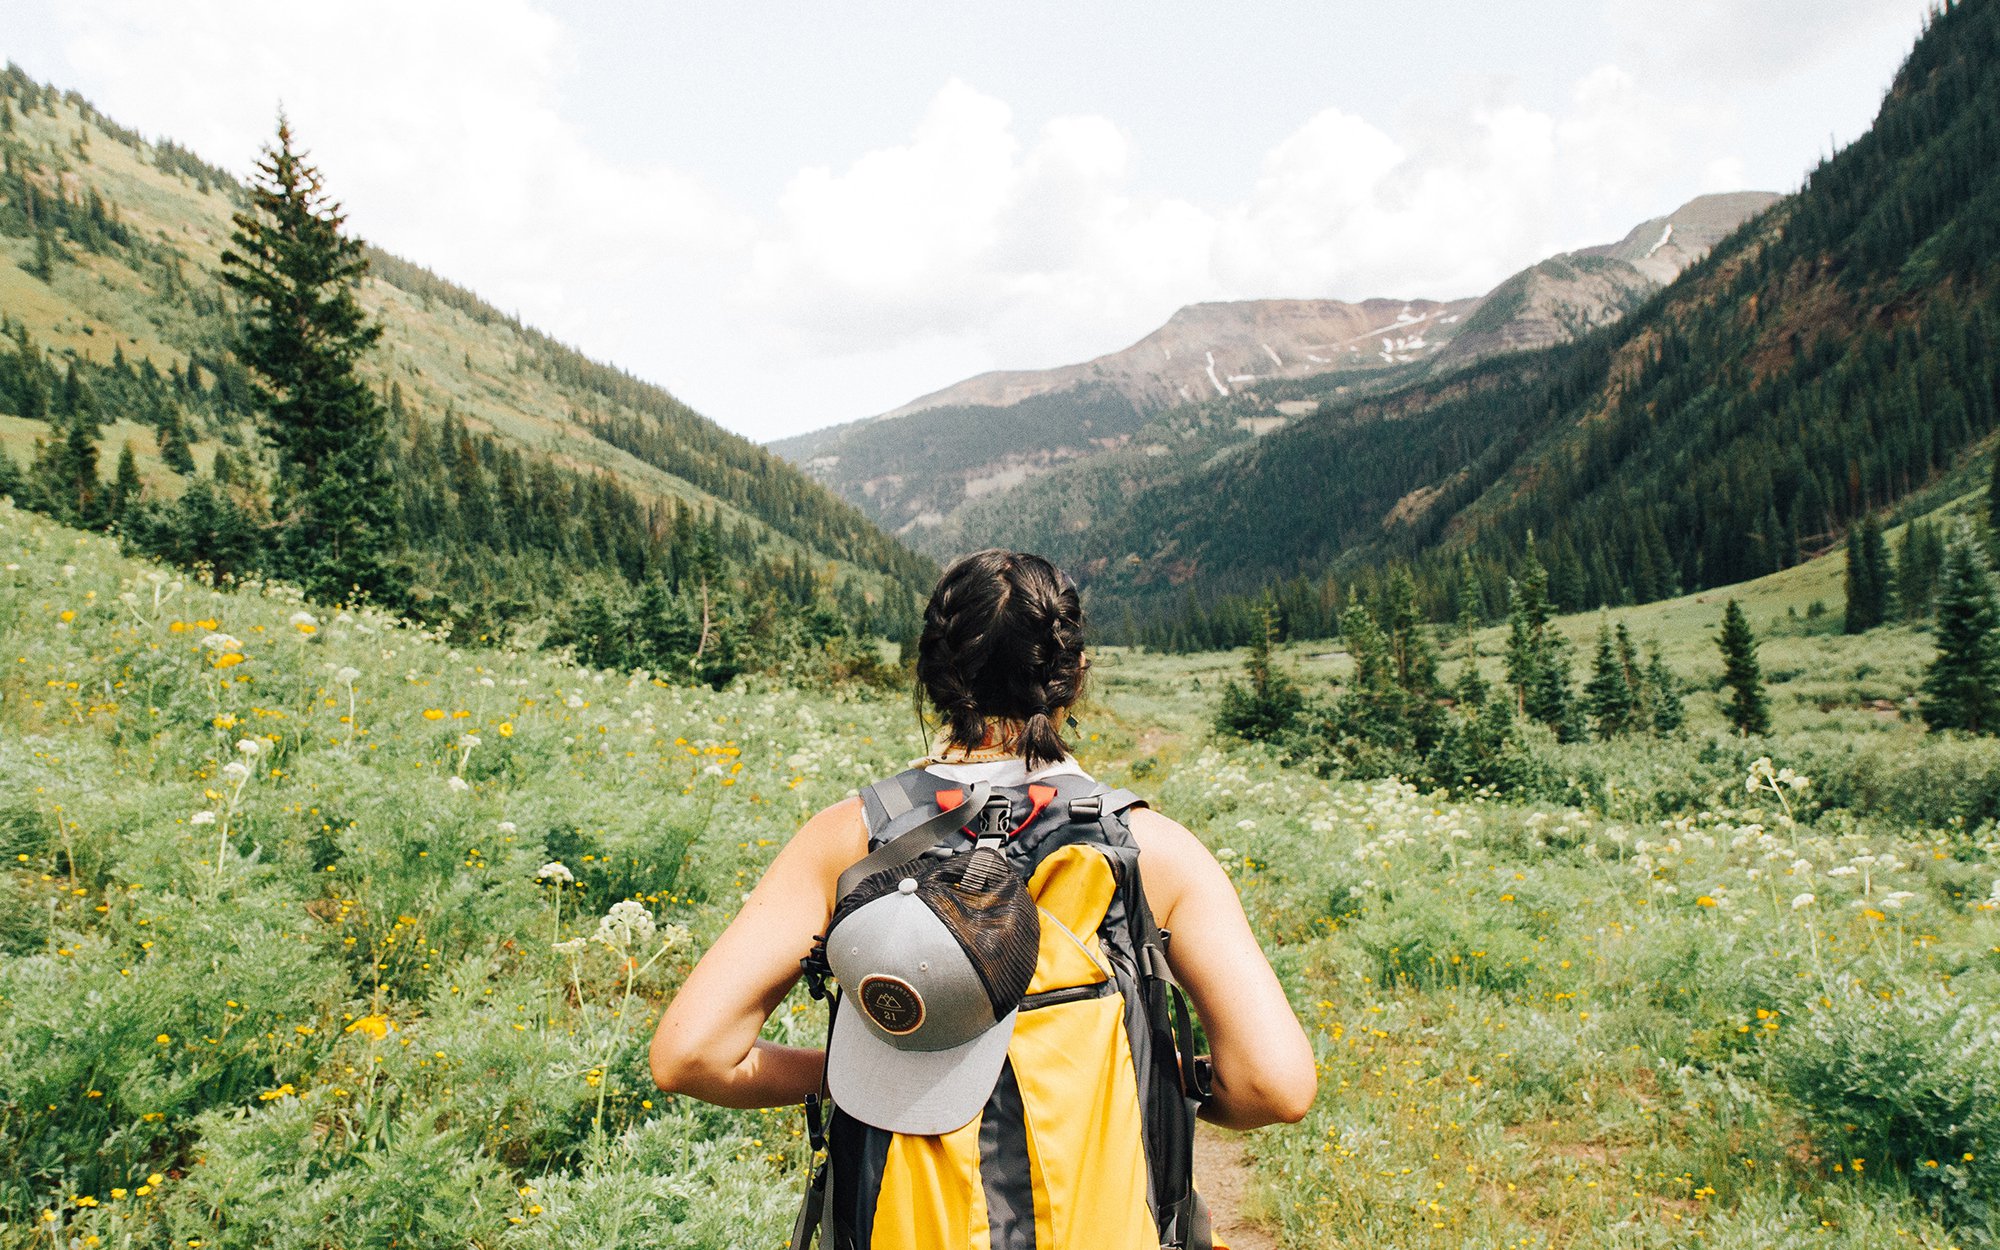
x=800 y=211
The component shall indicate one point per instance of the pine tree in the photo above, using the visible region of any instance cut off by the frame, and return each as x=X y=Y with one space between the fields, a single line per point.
x=1748 y=709
x=303 y=334
x=1527 y=620
x=1869 y=580
x=65 y=477
x=1858 y=592
x=1270 y=704
x=1919 y=562
x=12 y=484
x=1609 y=696
x=1961 y=689
x=79 y=401
x=1470 y=688
x=1663 y=694
x=43 y=266
x=1538 y=664
x=1993 y=495
x=125 y=487
x=174 y=449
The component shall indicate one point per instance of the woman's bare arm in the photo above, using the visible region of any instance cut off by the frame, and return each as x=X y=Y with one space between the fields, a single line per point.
x=707 y=1043
x=1264 y=1069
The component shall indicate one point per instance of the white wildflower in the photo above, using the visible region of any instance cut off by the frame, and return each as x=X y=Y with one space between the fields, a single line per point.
x=347 y=674
x=575 y=946
x=222 y=642
x=556 y=870
x=1802 y=901
x=457 y=784
x=1896 y=898
x=468 y=741
x=202 y=818
x=626 y=925
x=251 y=747
x=508 y=826
x=236 y=770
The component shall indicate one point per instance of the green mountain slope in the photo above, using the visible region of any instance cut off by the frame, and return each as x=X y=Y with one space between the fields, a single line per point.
x=523 y=462
x=1007 y=446
x=1827 y=359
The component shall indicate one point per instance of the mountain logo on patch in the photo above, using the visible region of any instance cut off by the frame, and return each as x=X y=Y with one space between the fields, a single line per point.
x=892 y=1003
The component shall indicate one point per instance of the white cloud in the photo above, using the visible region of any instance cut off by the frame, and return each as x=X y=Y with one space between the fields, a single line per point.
x=437 y=125
x=1734 y=41
x=972 y=242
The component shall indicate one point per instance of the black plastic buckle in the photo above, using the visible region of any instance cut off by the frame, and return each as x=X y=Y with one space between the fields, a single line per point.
x=995 y=820
x=1086 y=807
x=1204 y=1078
x=816 y=970
x=815 y=1122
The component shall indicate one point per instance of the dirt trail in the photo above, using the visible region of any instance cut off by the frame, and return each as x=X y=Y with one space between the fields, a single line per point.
x=1223 y=1176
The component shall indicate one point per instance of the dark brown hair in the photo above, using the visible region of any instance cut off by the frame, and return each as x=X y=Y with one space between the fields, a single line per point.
x=1003 y=638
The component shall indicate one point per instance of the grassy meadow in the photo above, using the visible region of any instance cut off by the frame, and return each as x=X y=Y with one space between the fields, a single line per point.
x=285 y=959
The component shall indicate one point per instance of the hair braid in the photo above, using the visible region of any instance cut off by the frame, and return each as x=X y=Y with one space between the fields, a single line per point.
x=1003 y=637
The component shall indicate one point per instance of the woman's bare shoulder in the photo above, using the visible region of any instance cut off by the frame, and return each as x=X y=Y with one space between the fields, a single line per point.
x=1172 y=861
x=835 y=831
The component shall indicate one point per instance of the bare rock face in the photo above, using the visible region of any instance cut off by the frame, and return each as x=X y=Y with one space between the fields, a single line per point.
x=1212 y=350
x=1664 y=246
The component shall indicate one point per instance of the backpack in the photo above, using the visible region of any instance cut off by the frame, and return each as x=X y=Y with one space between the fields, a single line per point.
x=1087 y=1140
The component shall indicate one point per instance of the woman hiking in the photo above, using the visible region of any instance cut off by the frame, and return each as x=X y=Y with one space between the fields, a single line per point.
x=1010 y=1062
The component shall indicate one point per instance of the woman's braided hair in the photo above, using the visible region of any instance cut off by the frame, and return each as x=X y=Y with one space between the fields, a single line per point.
x=1003 y=638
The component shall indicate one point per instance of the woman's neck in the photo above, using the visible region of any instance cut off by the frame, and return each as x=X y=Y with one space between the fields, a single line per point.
x=1002 y=740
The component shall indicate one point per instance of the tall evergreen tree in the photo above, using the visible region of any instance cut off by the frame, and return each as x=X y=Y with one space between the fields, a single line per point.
x=1609 y=695
x=303 y=334
x=1470 y=688
x=1961 y=689
x=125 y=487
x=1269 y=705
x=1663 y=694
x=1538 y=658
x=11 y=481
x=1870 y=583
x=1919 y=563
x=1748 y=709
x=1993 y=495
x=65 y=477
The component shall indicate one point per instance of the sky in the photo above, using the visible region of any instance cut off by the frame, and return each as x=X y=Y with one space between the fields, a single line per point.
x=798 y=212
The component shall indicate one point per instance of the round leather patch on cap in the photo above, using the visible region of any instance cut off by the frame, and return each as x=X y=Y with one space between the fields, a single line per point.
x=892 y=1003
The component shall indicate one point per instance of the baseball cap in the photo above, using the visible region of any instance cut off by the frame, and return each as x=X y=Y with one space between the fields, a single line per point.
x=933 y=958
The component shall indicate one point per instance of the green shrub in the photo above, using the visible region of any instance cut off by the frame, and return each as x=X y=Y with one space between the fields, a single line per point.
x=1908 y=1082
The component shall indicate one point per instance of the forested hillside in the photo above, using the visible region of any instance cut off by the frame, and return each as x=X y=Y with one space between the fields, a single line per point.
x=953 y=469
x=531 y=479
x=1834 y=355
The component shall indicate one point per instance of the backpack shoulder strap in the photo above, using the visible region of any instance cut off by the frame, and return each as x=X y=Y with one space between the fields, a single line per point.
x=1104 y=803
x=889 y=798
x=916 y=830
